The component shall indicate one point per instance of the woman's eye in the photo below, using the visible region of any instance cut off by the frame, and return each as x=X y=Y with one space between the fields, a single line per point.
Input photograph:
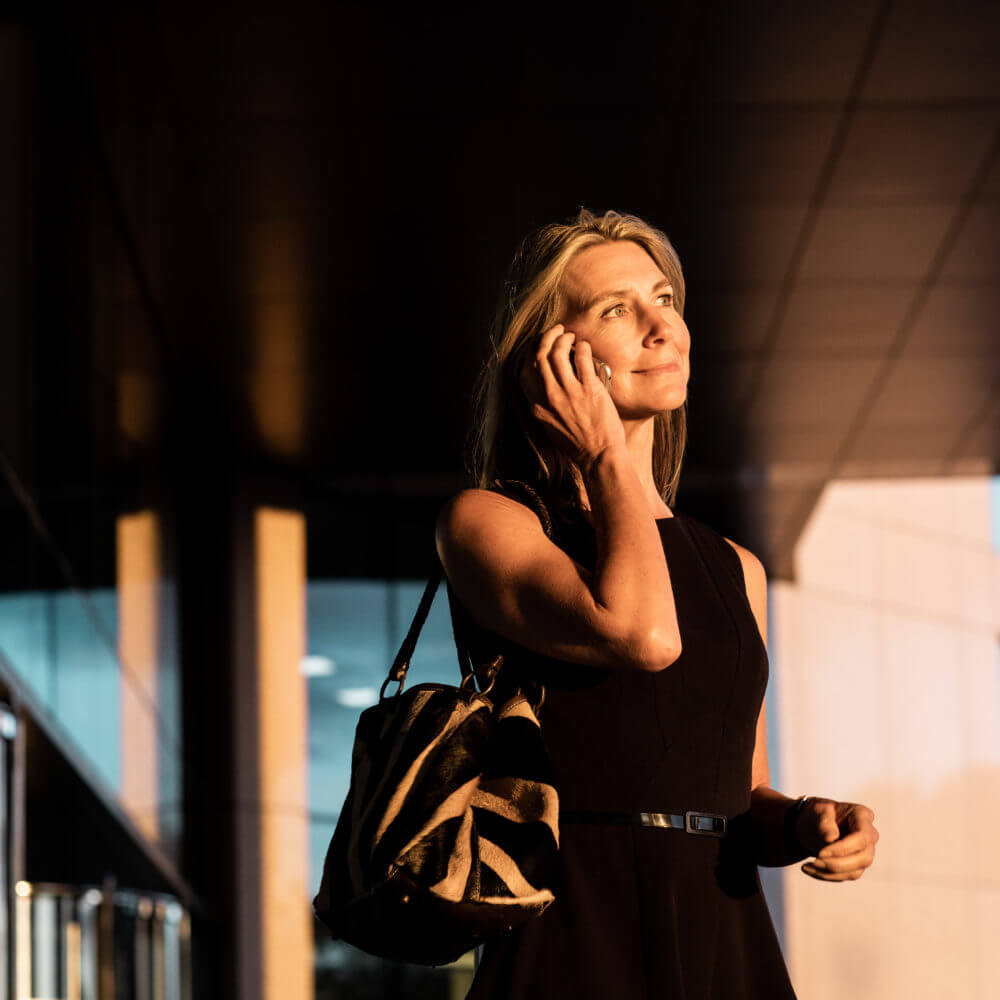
x=616 y=312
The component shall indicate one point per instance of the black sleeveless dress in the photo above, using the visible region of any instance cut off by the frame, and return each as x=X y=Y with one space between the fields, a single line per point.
x=645 y=912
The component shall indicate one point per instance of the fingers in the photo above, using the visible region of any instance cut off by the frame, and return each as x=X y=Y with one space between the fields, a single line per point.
x=851 y=844
x=585 y=362
x=568 y=395
x=827 y=826
x=560 y=360
x=536 y=373
x=842 y=868
x=825 y=875
x=847 y=859
x=542 y=363
x=842 y=858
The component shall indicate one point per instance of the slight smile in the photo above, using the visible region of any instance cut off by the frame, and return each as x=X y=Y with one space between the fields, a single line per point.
x=659 y=369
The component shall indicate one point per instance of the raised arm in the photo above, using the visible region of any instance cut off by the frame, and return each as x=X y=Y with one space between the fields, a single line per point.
x=514 y=580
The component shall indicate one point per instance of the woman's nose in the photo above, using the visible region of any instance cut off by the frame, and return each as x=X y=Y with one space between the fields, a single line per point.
x=660 y=327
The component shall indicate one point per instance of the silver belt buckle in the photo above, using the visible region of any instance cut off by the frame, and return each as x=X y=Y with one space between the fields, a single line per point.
x=655 y=819
x=716 y=829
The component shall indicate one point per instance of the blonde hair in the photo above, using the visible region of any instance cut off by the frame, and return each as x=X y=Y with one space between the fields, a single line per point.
x=506 y=440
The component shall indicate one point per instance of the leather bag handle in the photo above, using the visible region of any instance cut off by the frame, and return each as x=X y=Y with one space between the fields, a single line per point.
x=401 y=664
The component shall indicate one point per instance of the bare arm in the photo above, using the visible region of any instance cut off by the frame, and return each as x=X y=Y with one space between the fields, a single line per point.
x=631 y=578
x=515 y=581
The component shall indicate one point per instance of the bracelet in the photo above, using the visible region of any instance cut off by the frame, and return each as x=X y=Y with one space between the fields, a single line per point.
x=793 y=849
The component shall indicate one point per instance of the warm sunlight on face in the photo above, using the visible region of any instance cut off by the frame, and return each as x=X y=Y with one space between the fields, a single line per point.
x=622 y=303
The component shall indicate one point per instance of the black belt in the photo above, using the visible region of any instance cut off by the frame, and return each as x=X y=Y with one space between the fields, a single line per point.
x=710 y=824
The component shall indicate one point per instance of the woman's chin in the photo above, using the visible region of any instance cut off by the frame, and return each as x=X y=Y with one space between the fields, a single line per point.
x=647 y=410
x=668 y=398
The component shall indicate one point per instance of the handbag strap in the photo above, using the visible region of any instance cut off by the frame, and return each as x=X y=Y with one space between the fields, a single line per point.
x=466 y=661
x=401 y=664
x=534 y=500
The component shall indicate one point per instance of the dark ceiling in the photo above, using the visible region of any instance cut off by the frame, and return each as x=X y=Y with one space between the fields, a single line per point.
x=286 y=227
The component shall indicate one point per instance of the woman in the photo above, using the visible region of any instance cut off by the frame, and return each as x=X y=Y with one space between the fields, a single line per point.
x=647 y=629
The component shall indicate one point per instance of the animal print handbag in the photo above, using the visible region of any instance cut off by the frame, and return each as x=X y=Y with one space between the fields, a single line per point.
x=449 y=833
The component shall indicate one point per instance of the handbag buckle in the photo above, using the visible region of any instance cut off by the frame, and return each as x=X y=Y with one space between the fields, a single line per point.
x=391 y=680
x=716 y=826
x=469 y=682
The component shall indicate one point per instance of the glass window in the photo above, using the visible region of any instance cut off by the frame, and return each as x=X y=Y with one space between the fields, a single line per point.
x=355 y=628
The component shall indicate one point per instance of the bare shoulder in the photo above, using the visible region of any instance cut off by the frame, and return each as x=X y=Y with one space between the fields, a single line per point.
x=746 y=556
x=753 y=568
x=473 y=520
x=476 y=509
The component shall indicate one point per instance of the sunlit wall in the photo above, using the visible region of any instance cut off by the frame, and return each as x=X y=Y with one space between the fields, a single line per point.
x=885 y=651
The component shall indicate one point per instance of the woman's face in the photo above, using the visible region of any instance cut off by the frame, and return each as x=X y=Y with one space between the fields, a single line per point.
x=621 y=302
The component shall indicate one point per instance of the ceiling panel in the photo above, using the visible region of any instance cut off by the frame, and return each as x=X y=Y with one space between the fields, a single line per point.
x=905 y=448
x=974 y=255
x=906 y=154
x=991 y=186
x=788 y=51
x=805 y=449
x=875 y=241
x=797 y=391
x=843 y=318
x=937 y=51
x=982 y=438
x=917 y=390
x=957 y=319
x=743 y=243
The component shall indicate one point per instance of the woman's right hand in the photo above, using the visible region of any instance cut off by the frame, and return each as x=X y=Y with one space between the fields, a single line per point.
x=578 y=412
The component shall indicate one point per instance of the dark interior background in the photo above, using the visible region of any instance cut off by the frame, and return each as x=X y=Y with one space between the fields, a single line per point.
x=265 y=242
x=249 y=254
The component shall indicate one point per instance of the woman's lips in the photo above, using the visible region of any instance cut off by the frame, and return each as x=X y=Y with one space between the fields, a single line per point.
x=659 y=370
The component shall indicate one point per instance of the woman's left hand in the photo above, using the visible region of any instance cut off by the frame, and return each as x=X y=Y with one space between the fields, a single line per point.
x=841 y=835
